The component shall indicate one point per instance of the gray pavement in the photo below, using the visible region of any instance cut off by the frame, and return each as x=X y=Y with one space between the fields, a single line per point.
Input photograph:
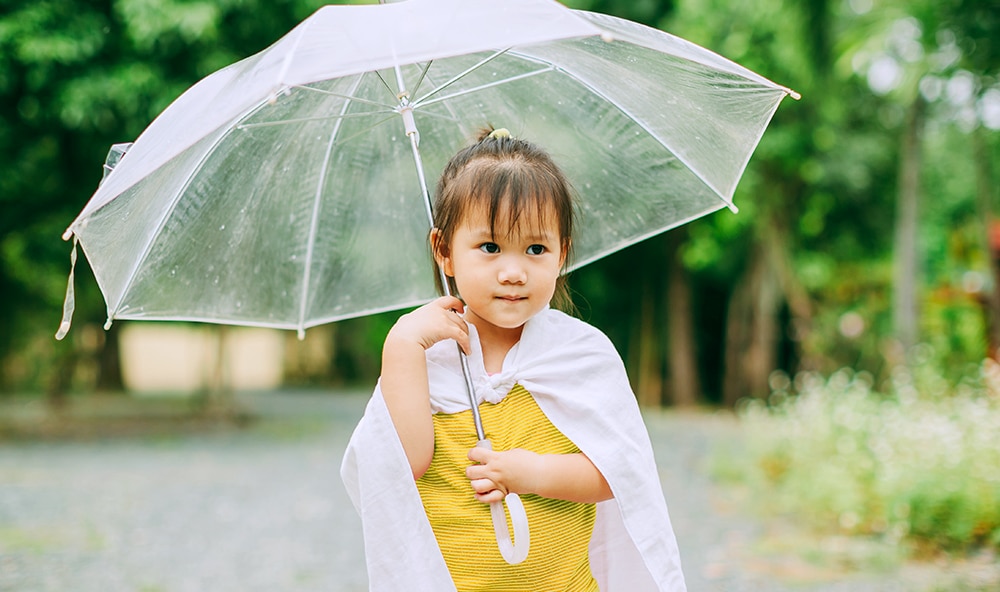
x=263 y=508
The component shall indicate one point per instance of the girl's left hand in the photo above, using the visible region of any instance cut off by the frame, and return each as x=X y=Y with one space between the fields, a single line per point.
x=499 y=473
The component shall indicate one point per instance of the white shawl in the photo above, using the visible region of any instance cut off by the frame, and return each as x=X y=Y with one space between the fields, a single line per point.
x=579 y=382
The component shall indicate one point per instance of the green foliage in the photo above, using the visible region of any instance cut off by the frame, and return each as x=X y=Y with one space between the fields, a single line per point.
x=76 y=77
x=916 y=460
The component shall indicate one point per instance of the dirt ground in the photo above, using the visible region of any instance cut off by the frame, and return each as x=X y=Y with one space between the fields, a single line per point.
x=144 y=496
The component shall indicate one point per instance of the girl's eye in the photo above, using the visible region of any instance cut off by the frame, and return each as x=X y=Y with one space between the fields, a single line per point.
x=489 y=248
x=536 y=249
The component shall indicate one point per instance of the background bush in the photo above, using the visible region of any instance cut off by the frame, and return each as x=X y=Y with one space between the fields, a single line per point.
x=917 y=459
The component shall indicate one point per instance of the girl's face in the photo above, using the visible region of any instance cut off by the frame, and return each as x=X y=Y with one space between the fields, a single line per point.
x=504 y=277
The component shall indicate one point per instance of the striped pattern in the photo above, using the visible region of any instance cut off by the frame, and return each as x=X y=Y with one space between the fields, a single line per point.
x=560 y=530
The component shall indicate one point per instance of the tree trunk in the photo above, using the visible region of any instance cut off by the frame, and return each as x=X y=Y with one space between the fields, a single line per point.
x=793 y=293
x=739 y=316
x=60 y=379
x=906 y=308
x=751 y=331
x=646 y=350
x=762 y=358
x=985 y=190
x=109 y=368
x=217 y=400
x=685 y=385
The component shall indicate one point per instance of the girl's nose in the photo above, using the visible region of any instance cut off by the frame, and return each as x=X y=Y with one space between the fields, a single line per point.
x=512 y=273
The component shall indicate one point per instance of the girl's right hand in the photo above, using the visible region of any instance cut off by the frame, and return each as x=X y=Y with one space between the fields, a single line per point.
x=404 y=373
x=433 y=322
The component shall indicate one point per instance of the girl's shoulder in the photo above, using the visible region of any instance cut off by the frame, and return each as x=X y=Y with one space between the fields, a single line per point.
x=557 y=319
x=568 y=329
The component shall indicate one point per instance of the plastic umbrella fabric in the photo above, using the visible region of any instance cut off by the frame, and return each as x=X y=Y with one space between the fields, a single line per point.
x=286 y=189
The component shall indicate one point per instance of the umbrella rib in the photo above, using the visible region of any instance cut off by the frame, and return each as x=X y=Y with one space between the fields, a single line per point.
x=275 y=325
x=459 y=76
x=424 y=103
x=385 y=84
x=314 y=222
x=597 y=92
x=307 y=119
x=349 y=98
x=420 y=80
x=452 y=118
x=364 y=131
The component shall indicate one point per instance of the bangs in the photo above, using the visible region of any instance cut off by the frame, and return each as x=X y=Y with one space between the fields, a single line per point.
x=514 y=197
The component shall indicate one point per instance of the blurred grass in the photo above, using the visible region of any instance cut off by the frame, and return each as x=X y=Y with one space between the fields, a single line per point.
x=907 y=470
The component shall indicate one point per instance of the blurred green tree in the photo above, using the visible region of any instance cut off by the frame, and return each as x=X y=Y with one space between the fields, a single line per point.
x=802 y=278
x=76 y=77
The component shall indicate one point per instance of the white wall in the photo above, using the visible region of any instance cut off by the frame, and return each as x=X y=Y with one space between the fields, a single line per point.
x=165 y=357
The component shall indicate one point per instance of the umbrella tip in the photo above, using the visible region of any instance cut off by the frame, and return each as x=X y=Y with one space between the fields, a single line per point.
x=68 y=234
x=793 y=94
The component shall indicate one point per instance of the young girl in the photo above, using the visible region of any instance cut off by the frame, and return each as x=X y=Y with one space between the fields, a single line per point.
x=554 y=399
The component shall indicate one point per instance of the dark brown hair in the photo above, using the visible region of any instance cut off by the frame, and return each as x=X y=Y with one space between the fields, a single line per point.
x=505 y=176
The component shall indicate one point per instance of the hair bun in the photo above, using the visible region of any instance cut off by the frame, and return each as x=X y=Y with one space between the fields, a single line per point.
x=499 y=133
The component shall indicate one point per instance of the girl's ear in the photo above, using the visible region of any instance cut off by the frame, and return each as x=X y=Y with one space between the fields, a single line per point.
x=442 y=254
x=566 y=244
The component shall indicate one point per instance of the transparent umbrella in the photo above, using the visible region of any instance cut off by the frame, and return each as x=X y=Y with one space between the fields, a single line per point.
x=289 y=189
x=281 y=191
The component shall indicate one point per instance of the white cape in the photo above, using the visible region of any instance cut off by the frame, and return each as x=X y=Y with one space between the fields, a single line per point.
x=579 y=382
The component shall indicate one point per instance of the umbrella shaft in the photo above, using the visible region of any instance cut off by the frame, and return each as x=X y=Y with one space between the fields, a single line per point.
x=470 y=389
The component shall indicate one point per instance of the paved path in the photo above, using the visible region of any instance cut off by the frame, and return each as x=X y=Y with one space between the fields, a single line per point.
x=263 y=508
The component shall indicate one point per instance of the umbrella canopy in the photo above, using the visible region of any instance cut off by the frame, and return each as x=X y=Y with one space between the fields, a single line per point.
x=286 y=190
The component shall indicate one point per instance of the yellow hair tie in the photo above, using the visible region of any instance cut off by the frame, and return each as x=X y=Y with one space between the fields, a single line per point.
x=499 y=133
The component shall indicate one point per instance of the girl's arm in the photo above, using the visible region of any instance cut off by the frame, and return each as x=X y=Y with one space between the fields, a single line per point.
x=404 y=374
x=569 y=477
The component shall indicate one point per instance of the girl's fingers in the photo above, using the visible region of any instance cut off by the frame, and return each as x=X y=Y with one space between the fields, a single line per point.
x=473 y=472
x=481 y=455
x=462 y=335
x=451 y=303
x=488 y=498
x=483 y=485
x=487 y=491
x=463 y=332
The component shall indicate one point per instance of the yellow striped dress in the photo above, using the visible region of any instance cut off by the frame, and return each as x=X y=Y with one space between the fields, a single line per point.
x=560 y=530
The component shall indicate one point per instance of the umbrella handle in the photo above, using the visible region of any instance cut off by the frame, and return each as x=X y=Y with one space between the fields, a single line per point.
x=515 y=551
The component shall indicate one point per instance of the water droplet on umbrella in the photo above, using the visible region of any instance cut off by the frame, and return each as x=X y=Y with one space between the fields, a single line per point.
x=223 y=227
